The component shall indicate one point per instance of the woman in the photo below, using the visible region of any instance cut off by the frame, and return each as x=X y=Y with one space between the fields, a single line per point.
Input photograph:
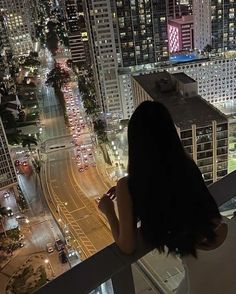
x=166 y=192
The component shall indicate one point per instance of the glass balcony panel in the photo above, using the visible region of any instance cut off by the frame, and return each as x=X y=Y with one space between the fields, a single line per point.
x=229 y=207
x=105 y=288
x=151 y=272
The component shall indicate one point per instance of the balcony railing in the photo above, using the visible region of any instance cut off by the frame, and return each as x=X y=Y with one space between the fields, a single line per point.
x=110 y=263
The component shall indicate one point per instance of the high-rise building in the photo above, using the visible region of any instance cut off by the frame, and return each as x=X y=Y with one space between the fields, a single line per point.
x=141 y=31
x=7 y=171
x=223 y=18
x=77 y=34
x=180 y=33
x=214 y=24
x=124 y=33
x=203 y=129
x=102 y=39
x=18 y=22
x=178 y=8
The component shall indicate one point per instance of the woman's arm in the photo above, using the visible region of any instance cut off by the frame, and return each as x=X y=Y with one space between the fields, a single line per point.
x=123 y=229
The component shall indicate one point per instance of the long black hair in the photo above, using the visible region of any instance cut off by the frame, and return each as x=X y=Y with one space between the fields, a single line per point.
x=169 y=194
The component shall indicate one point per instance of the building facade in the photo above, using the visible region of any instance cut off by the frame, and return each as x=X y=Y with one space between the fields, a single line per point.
x=216 y=78
x=99 y=20
x=202 y=128
x=7 y=170
x=180 y=34
x=77 y=34
x=215 y=24
x=124 y=33
x=202 y=23
x=18 y=21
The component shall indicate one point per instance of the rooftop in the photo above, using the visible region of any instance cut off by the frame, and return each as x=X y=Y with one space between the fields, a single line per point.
x=196 y=110
x=182 y=77
x=182 y=20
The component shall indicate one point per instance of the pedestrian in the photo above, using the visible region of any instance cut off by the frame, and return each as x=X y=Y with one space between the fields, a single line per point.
x=165 y=191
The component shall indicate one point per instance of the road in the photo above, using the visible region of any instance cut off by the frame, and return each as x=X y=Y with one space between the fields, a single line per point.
x=64 y=184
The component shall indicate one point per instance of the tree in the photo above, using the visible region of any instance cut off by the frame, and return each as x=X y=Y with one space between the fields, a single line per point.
x=100 y=129
x=7 y=117
x=52 y=42
x=69 y=63
x=90 y=105
x=208 y=48
x=24 y=140
x=51 y=25
x=1 y=220
x=28 y=141
x=33 y=54
x=31 y=62
x=57 y=77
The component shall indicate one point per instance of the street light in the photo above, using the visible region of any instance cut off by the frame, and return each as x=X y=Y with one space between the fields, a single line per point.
x=46 y=261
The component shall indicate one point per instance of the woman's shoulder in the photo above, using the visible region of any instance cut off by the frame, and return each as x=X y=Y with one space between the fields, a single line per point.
x=123 y=182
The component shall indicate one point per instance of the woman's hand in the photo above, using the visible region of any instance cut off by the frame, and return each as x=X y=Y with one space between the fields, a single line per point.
x=106 y=204
x=112 y=192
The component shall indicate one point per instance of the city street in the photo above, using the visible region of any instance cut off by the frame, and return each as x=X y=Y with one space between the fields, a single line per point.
x=40 y=230
x=68 y=192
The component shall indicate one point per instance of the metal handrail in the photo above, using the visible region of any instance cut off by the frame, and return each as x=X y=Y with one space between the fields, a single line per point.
x=109 y=263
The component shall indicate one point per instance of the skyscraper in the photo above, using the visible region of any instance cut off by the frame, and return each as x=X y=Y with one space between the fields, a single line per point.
x=180 y=33
x=215 y=24
x=18 y=22
x=141 y=31
x=77 y=34
x=100 y=18
x=124 y=33
x=223 y=19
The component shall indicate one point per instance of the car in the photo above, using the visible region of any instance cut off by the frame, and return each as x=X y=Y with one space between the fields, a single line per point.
x=25 y=163
x=17 y=162
x=6 y=195
x=59 y=244
x=9 y=212
x=21 y=237
x=63 y=257
x=20 y=217
x=49 y=247
x=81 y=169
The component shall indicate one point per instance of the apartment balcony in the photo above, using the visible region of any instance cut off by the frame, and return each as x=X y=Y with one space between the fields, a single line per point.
x=110 y=271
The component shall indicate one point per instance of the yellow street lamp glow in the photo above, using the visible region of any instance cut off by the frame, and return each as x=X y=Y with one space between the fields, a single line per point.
x=66 y=203
x=27 y=221
x=59 y=220
x=46 y=261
